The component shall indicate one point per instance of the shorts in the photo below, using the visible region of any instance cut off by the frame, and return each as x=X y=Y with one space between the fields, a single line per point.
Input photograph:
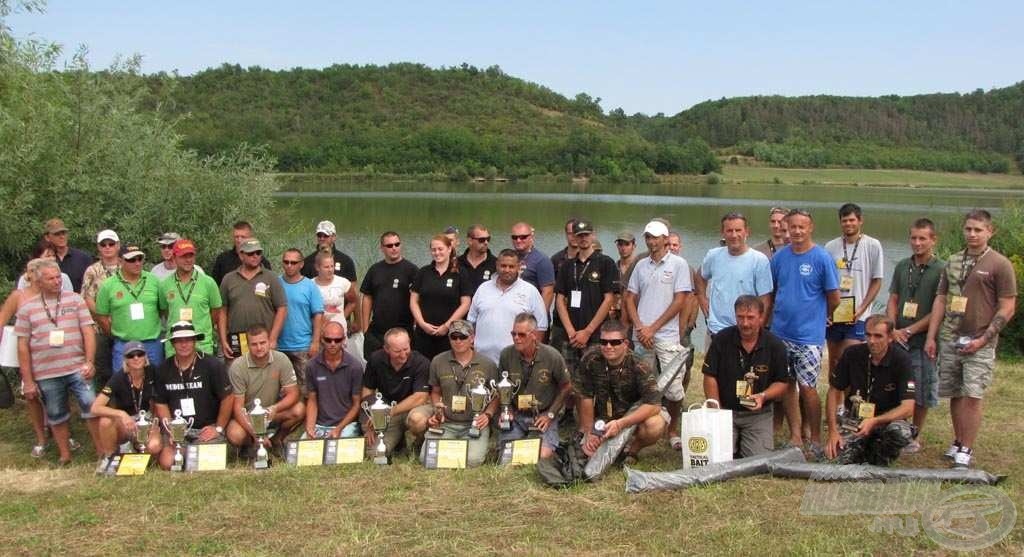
x=804 y=362
x=961 y=375
x=298 y=360
x=54 y=392
x=842 y=331
x=926 y=381
x=669 y=357
x=752 y=433
x=154 y=351
x=521 y=428
x=324 y=431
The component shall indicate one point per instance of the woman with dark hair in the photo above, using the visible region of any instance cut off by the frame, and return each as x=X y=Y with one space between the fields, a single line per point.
x=440 y=295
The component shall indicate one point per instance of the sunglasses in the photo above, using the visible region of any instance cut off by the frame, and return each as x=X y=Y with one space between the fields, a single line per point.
x=622 y=243
x=521 y=236
x=166 y=246
x=392 y=245
x=458 y=336
x=321 y=235
x=612 y=341
x=136 y=259
x=482 y=239
x=134 y=355
x=333 y=340
x=519 y=335
x=257 y=253
x=287 y=262
x=107 y=244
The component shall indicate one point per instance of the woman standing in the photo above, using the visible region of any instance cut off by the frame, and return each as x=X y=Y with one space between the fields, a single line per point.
x=339 y=293
x=440 y=295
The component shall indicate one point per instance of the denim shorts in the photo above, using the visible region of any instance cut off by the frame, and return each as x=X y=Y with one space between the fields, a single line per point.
x=54 y=392
x=521 y=428
x=323 y=431
x=841 y=331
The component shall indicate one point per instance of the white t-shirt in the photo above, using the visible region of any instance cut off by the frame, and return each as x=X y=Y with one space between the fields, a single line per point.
x=866 y=262
x=334 y=298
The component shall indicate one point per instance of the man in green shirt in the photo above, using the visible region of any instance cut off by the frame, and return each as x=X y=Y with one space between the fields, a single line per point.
x=127 y=307
x=190 y=295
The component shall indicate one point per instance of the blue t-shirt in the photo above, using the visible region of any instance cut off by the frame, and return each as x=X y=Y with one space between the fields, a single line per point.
x=536 y=269
x=304 y=302
x=801 y=286
x=729 y=277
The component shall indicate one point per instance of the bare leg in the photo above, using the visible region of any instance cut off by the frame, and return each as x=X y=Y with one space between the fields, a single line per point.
x=107 y=435
x=36 y=418
x=92 y=424
x=791 y=402
x=920 y=413
x=970 y=420
x=61 y=434
x=811 y=404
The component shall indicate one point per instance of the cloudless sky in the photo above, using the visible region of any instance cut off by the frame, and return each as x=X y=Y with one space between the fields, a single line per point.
x=642 y=56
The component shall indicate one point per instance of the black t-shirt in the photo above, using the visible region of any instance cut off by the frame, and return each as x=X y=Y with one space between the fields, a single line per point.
x=728 y=362
x=123 y=397
x=226 y=262
x=396 y=386
x=74 y=264
x=891 y=381
x=594 y=278
x=343 y=265
x=206 y=384
x=389 y=284
x=479 y=274
x=439 y=294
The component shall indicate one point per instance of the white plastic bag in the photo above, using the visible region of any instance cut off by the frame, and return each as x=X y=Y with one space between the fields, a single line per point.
x=706 y=434
x=354 y=346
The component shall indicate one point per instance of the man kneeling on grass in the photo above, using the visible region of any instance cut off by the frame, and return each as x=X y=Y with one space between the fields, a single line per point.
x=875 y=385
x=335 y=380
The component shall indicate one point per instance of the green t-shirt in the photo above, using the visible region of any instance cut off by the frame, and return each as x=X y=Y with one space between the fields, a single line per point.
x=917 y=285
x=197 y=297
x=265 y=383
x=128 y=321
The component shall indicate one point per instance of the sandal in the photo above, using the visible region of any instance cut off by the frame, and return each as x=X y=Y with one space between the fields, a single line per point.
x=74 y=445
x=38 y=450
x=676 y=443
x=631 y=459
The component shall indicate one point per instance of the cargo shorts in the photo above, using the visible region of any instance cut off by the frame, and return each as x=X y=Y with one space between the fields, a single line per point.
x=965 y=375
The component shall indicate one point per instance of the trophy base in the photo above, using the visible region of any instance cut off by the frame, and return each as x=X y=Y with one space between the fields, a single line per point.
x=261 y=464
x=179 y=460
x=748 y=402
x=435 y=431
x=474 y=432
x=505 y=426
x=381 y=460
x=534 y=429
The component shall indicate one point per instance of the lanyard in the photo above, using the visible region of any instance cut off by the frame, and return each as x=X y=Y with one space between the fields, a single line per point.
x=965 y=271
x=56 y=309
x=460 y=383
x=871 y=381
x=191 y=286
x=128 y=287
x=576 y=276
x=771 y=246
x=743 y=361
x=137 y=401
x=848 y=259
x=917 y=270
x=181 y=373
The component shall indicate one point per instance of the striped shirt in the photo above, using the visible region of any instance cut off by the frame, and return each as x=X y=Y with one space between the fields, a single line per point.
x=37 y=322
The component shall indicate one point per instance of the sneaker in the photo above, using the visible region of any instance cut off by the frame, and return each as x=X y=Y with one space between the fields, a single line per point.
x=676 y=443
x=38 y=450
x=913 y=448
x=101 y=466
x=952 y=450
x=74 y=445
x=962 y=458
x=817 y=453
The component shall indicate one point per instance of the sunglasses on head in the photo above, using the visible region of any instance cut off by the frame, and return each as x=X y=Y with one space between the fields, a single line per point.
x=612 y=341
x=133 y=355
x=333 y=340
x=458 y=336
x=392 y=245
x=521 y=236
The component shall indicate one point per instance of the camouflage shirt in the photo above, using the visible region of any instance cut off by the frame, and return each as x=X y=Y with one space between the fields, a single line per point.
x=615 y=389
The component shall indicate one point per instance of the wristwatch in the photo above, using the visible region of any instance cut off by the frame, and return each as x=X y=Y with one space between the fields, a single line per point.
x=219 y=430
x=551 y=415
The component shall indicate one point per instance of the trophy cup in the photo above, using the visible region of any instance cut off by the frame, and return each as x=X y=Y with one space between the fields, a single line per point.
x=142 y=432
x=506 y=389
x=850 y=422
x=479 y=396
x=380 y=416
x=258 y=420
x=176 y=428
x=746 y=388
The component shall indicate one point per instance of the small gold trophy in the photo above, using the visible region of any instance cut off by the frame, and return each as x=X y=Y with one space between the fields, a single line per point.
x=258 y=420
x=380 y=417
x=479 y=397
x=506 y=390
x=745 y=390
x=850 y=423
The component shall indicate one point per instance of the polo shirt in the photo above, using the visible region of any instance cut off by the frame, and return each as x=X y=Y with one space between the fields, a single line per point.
x=455 y=379
x=615 y=389
x=265 y=382
x=536 y=269
x=493 y=312
x=397 y=385
x=886 y=384
x=74 y=264
x=253 y=301
x=334 y=388
x=728 y=362
x=35 y=321
x=343 y=265
x=802 y=284
x=918 y=284
x=440 y=295
x=540 y=378
x=228 y=261
x=389 y=284
x=729 y=277
x=479 y=274
x=206 y=383
x=199 y=296
x=116 y=298
x=123 y=397
x=862 y=260
x=594 y=278
x=656 y=283
x=304 y=303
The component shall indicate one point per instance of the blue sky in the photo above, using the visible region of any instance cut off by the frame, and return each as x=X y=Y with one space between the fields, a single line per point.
x=644 y=57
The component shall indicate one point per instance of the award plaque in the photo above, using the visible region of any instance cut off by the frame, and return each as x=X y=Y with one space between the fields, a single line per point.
x=846 y=312
x=520 y=451
x=308 y=452
x=206 y=457
x=350 y=450
x=445 y=453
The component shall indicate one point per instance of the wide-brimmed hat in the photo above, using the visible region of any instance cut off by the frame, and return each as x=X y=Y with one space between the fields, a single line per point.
x=183 y=329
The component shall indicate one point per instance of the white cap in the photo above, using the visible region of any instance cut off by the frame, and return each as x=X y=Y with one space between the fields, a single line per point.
x=656 y=228
x=326 y=227
x=107 y=234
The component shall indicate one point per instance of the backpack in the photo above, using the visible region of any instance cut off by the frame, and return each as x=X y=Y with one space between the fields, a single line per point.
x=565 y=468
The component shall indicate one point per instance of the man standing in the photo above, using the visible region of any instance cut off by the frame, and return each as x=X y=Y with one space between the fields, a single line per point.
x=73 y=262
x=190 y=295
x=535 y=267
x=584 y=295
x=568 y=253
x=542 y=381
x=326 y=237
x=194 y=383
x=231 y=259
x=165 y=267
x=452 y=375
x=497 y=303
x=385 y=290
x=745 y=368
x=978 y=291
x=401 y=376
x=911 y=294
x=779 y=236
x=732 y=271
x=128 y=307
x=269 y=376
x=300 y=335
x=252 y=295
x=874 y=384
x=806 y=293
x=657 y=292
x=334 y=379
x=56 y=350
x=860 y=261
x=108 y=246
x=477 y=262
x=625 y=243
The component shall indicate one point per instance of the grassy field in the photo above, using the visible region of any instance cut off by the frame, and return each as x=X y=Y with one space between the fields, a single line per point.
x=404 y=509
x=865 y=177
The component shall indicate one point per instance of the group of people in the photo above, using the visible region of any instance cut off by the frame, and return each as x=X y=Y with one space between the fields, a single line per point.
x=584 y=339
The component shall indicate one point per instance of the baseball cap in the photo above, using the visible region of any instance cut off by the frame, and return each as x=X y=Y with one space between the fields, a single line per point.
x=583 y=227
x=54 y=225
x=625 y=237
x=451 y=230
x=461 y=327
x=326 y=227
x=168 y=238
x=251 y=245
x=129 y=251
x=107 y=234
x=656 y=228
x=134 y=346
x=184 y=246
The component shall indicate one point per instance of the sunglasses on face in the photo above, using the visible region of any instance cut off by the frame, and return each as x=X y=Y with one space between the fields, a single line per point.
x=321 y=235
x=136 y=259
x=134 y=355
x=519 y=335
x=107 y=244
x=482 y=239
x=255 y=253
x=163 y=246
x=521 y=236
x=287 y=262
x=333 y=340
x=612 y=341
x=458 y=336
x=392 y=245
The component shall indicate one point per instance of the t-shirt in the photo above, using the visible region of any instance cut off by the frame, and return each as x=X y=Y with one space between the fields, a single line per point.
x=228 y=261
x=94 y=276
x=656 y=284
x=74 y=264
x=124 y=397
x=389 y=284
x=304 y=302
x=455 y=379
x=729 y=277
x=334 y=388
x=802 y=283
x=251 y=381
x=117 y=298
x=479 y=274
x=890 y=382
x=536 y=269
x=205 y=384
x=540 y=378
x=334 y=299
x=65 y=283
x=40 y=322
x=593 y=278
x=728 y=362
x=615 y=389
x=440 y=295
x=992 y=277
x=917 y=284
x=253 y=301
x=862 y=260
x=768 y=248
x=493 y=312
x=343 y=265
x=191 y=301
x=396 y=386
x=161 y=272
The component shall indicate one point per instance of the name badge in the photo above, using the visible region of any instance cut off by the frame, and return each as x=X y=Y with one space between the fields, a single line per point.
x=846 y=282
x=608 y=407
x=188 y=407
x=910 y=310
x=575 y=298
x=458 y=404
x=866 y=410
x=524 y=402
x=137 y=311
x=260 y=289
x=185 y=314
x=57 y=337
x=337 y=266
x=448 y=283
x=958 y=305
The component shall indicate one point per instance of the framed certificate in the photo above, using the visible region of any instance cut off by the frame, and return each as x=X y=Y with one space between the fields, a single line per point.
x=205 y=457
x=445 y=453
x=133 y=465
x=520 y=451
